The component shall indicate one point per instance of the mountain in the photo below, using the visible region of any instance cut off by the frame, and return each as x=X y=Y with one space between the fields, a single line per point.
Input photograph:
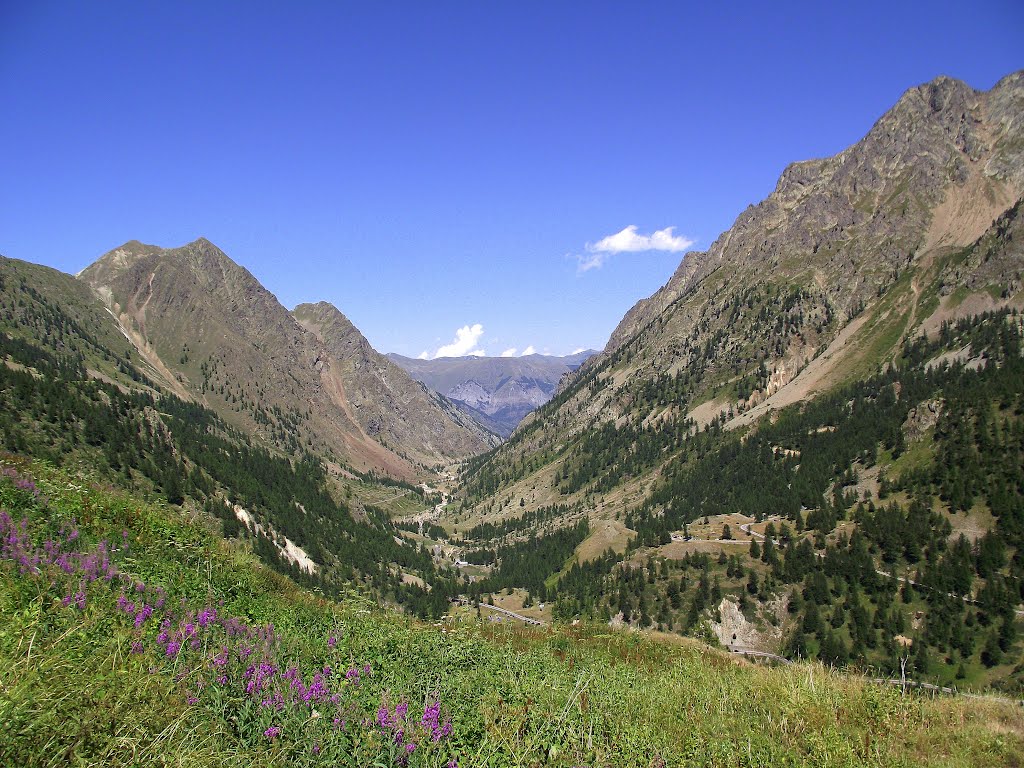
x=81 y=391
x=211 y=333
x=808 y=441
x=499 y=391
x=821 y=282
x=389 y=405
x=932 y=174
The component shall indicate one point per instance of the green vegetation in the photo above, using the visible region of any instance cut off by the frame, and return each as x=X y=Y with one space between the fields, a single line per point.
x=959 y=614
x=626 y=443
x=163 y=447
x=84 y=681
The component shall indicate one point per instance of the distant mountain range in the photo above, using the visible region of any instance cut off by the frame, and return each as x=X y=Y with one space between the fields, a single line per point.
x=497 y=391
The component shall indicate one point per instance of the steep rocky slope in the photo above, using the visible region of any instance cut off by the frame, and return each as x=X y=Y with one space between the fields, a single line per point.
x=818 y=284
x=214 y=334
x=934 y=171
x=498 y=390
x=389 y=405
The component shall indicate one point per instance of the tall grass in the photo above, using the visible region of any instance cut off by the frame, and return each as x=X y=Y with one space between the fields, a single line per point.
x=84 y=681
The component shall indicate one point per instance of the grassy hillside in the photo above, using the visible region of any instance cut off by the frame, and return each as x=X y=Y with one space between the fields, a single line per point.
x=133 y=635
x=57 y=403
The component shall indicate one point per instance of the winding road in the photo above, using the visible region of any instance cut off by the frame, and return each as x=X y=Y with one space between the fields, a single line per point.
x=514 y=615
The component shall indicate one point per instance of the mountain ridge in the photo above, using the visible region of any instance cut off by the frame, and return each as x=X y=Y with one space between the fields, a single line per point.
x=829 y=275
x=827 y=231
x=385 y=399
x=218 y=336
x=802 y=179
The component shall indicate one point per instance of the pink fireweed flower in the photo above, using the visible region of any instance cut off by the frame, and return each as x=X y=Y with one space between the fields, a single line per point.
x=431 y=714
x=144 y=613
x=444 y=730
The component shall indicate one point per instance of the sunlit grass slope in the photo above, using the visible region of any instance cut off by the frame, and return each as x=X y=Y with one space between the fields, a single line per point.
x=133 y=636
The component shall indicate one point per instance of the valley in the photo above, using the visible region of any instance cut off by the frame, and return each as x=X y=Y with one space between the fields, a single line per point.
x=795 y=472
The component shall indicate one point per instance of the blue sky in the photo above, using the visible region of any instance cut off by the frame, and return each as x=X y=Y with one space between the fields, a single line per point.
x=429 y=167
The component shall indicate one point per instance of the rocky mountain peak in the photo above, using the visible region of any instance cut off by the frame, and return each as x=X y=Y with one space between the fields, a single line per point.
x=849 y=224
x=211 y=332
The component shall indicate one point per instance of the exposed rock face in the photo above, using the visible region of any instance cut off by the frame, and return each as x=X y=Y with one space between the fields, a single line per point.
x=822 y=281
x=216 y=335
x=932 y=175
x=383 y=398
x=922 y=418
x=854 y=221
x=734 y=631
x=498 y=391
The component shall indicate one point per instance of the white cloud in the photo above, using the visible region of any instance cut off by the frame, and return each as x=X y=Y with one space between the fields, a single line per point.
x=529 y=351
x=510 y=352
x=464 y=342
x=630 y=241
x=590 y=261
x=578 y=350
x=424 y=355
